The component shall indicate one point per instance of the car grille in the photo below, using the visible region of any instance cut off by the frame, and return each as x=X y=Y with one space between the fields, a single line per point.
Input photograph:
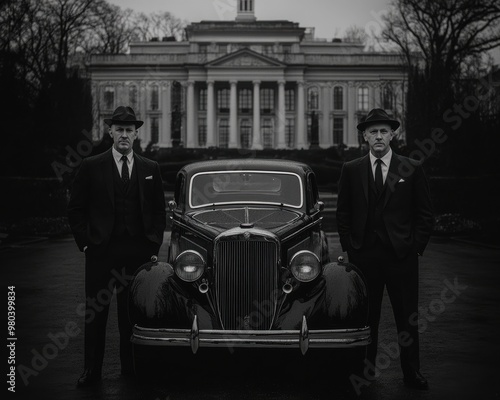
x=246 y=277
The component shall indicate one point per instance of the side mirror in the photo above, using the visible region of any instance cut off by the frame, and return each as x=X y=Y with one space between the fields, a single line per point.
x=172 y=205
x=320 y=205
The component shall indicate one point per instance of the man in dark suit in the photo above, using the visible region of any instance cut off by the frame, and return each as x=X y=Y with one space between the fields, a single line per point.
x=384 y=217
x=117 y=215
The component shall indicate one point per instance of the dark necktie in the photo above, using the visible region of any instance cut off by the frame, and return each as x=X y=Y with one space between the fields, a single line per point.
x=125 y=174
x=379 y=180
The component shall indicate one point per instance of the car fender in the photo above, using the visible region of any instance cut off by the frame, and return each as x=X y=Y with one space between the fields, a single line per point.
x=155 y=299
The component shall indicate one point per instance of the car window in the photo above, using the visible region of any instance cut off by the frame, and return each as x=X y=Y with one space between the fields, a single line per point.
x=253 y=187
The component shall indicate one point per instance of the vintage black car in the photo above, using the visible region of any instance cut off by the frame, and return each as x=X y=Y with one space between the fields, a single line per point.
x=248 y=266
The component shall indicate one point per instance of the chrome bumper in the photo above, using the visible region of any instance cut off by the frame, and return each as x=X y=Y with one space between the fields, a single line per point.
x=303 y=338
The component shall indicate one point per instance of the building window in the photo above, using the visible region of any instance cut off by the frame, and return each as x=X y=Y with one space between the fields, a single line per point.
x=177 y=97
x=132 y=96
x=224 y=133
x=387 y=98
x=155 y=130
x=109 y=97
x=290 y=132
x=313 y=99
x=202 y=132
x=290 y=100
x=154 y=98
x=363 y=98
x=267 y=101
x=338 y=131
x=268 y=133
x=245 y=133
x=202 y=100
x=338 y=98
x=245 y=100
x=223 y=99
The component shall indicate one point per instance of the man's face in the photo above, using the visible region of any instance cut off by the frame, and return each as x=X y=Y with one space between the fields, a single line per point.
x=123 y=137
x=378 y=137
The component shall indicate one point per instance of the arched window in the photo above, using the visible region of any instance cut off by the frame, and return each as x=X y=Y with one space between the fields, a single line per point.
x=268 y=133
x=132 y=96
x=387 y=98
x=245 y=133
x=245 y=100
x=154 y=100
x=363 y=98
x=224 y=133
x=338 y=98
x=202 y=100
x=223 y=99
x=290 y=100
x=313 y=99
x=109 y=97
x=267 y=101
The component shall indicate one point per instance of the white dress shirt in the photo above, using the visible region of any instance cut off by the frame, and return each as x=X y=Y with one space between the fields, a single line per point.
x=118 y=160
x=386 y=161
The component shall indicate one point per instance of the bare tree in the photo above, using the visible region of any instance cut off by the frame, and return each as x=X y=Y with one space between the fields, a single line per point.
x=355 y=34
x=157 y=25
x=446 y=33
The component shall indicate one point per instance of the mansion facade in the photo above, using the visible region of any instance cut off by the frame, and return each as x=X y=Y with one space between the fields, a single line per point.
x=247 y=84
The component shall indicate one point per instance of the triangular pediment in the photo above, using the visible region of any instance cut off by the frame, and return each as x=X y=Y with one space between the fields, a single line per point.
x=245 y=58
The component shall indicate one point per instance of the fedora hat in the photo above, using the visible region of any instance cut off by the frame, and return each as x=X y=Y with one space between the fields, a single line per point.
x=376 y=116
x=123 y=115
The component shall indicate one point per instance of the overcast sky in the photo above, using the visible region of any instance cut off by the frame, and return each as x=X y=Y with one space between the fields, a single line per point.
x=329 y=17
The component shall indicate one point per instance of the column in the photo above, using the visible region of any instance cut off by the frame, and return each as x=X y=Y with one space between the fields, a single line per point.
x=166 y=119
x=352 y=131
x=191 y=137
x=377 y=98
x=96 y=123
x=281 y=115
x=256 y=138
x=233 y=117
x=211 y=142
x=146 y=133
x=301 y=110
x=325 y=135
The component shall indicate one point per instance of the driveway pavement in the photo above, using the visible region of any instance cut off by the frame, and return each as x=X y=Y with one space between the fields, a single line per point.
x=460 y=324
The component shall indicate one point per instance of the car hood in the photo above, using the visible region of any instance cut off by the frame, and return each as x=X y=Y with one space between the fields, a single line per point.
x=274 y=219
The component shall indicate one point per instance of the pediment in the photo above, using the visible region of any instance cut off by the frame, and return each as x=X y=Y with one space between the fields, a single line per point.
x=245 y=58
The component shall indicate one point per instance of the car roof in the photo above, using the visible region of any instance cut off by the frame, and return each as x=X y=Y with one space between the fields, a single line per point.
x=255 y=164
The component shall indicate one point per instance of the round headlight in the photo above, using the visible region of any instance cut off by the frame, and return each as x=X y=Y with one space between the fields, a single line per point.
x=189 y=265
x=305 y=266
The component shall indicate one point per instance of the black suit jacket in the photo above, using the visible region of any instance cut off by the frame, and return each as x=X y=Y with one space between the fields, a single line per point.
x=407 y=209
x=91 y=211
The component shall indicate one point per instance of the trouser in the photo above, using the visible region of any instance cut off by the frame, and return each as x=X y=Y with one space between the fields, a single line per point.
x=382 y=268
x=106 y=271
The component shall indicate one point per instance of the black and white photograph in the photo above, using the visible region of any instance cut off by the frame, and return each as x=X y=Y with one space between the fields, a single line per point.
x=249 y=199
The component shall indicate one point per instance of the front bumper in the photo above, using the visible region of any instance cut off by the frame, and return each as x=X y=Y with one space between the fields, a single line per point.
x=302 y=339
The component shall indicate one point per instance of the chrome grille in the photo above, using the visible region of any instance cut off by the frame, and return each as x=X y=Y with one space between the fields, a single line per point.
x=246 y=276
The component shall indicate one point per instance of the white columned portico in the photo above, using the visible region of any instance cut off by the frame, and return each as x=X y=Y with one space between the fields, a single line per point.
x=210 y=114
x=301 y=128
x=191 y=141
x=281 y=115
x=256 y=140
x=233 y=116
x=166 y=125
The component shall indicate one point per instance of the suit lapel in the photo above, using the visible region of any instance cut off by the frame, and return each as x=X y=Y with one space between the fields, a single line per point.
x=141 y=175
x=364 y=170
x=392 y=178
x=107 y=171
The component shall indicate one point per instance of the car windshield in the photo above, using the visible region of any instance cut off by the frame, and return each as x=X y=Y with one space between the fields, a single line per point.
x=252 y=187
